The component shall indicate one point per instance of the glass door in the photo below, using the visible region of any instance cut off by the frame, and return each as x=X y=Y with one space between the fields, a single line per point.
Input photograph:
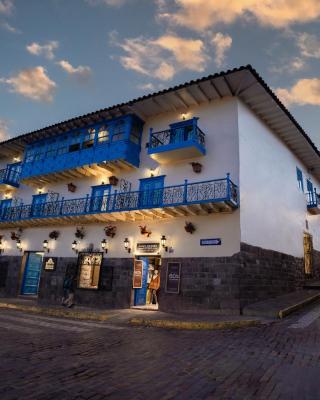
x=38 y=202
x=100 y=198
x=32 y=272
x=151 y=190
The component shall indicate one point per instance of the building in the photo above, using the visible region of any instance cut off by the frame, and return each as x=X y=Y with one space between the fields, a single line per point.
x=211 y=183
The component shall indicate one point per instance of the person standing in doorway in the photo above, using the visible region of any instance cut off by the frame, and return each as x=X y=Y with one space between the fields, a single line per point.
x=154 y=286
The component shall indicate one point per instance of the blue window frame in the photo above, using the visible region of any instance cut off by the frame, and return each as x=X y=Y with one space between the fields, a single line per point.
x=300 y=179
x=309 y=186
x=4 y=205
x=151 y=191
x=38 y=201
x=100 y=197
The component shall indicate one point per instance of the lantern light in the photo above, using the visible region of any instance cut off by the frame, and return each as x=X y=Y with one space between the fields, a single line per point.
x=127 y=245
x=104 y=245
x=163 y=242
x=45 y=246
x=19 y=246
x=1 y=246
x=74 y=246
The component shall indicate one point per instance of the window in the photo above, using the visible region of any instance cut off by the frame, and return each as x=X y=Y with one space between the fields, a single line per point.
x=103 y=134
x=118 y=131
x=89 y=138
x=135 y=134
x=89 y=270
x=300 y=179
x=75 y=142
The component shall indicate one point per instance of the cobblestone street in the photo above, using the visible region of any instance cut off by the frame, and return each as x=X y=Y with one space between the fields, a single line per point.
x=52 y=358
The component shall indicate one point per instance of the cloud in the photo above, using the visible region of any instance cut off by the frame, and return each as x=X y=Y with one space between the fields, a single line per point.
x=4 y=130
x=146 y=86
x=111 y=3
x=47 y=50
x=9 y=28
x=82 y=72
x=163 y=57
x=222 y=43
x=303 y=92
x=32 y=83
x=289 y=66
x=309 y=45
x=6 y=7
x=203 y=14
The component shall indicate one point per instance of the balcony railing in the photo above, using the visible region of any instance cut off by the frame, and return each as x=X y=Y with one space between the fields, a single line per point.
x=184 y=139
x=313 y=202
x=212 y=191
x=9 y=176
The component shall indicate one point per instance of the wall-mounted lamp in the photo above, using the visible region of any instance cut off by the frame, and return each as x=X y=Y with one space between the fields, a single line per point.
x=74 y=246
x=7 y=195
x=104 y=245
x=45 y=246
x=127 y=245
x=1 y=246
x=19 y=246
x=40 y=190
x=163 y=241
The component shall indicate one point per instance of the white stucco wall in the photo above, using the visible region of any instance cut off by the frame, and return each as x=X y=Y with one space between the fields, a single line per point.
x=218 y=120
x=273 y=209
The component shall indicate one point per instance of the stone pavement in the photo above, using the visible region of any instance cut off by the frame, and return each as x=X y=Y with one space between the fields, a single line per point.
x=43 y=358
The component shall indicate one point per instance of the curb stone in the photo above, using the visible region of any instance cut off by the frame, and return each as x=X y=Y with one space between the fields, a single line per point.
x=286 y=311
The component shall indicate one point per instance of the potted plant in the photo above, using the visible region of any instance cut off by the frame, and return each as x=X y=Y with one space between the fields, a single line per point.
x=189 y=227
x=80 y=233
x=144 y=231
x=197 y=167
x=16 y=235
x=110 y=230
x=54 y=235
x=113 y=180
x=71 y=187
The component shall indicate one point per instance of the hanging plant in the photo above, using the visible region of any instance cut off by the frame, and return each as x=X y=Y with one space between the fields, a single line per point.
x=197 y=167
x=80 y=233
x=110 y=230
x=54 y=235
x=16 y=235
x=71 y=187
x=189 y=227
x=113 y=180
x=144 y=231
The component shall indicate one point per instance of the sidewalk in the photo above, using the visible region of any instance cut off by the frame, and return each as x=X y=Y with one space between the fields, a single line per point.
x=134 y=317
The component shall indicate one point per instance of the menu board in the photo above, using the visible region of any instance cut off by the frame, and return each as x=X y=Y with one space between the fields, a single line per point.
x=89 y=270
x=50 y=263
x=137 y=274
x=173 y=277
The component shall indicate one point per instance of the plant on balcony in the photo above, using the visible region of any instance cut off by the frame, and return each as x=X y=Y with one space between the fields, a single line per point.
x=71 y=187
x=197 y=167
x=80 y=233
x=110 y=230
x=113 y=180
x=16 y=235
x=144 y=231
x=189 y=227
x=54 y=235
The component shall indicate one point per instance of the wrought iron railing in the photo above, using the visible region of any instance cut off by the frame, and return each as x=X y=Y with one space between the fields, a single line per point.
x=187 y=133
x=9 y=176
x=313 y=199
x=216 y=190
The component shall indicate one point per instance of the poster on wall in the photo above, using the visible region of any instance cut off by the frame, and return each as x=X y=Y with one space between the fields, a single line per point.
x=173 y=277
x=137 y=274
x=50 y=263
x=89 y=270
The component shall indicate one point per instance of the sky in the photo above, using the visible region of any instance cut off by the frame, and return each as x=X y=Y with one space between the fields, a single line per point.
x=64 y=58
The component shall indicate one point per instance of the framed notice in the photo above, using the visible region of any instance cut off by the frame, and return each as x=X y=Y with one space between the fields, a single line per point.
x=89 y=270
x=137 y=274
x=148 y=247
x=50 y=263
x=173 y=277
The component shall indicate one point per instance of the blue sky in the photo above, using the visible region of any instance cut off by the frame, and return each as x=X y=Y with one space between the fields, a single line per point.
x=60 y=59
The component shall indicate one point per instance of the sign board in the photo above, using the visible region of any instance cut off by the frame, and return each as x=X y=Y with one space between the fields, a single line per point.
x=50 y=263
x=173 y=277
x=137 y=274
x=210 y=242
x=89 y=270
x=148 y=247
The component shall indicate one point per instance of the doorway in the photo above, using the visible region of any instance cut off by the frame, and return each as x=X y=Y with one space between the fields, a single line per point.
x=32 y=273
x=146 y=282
x=308 y=259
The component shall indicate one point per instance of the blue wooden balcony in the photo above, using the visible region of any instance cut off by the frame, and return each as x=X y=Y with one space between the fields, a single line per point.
x=10 y=176
x=313 y=202
x=184 y=140
x=197 y=198
x=106 y=146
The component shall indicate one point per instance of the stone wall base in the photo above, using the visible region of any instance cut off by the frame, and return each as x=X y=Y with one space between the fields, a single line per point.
x=211 y=285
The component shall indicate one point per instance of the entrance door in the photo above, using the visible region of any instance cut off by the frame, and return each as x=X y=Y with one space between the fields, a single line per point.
x=32 y=273
x=308 y=247
x=151 y=190
x=140 y=295
x=100 y=198
x=4 y=205
x=38 y=204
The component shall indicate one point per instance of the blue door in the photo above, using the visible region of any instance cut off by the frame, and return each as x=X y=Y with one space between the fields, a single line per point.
x=4 y=205
x=38 y=202
x=151 y=192
x=100 y=197
x=140 y=295
x=13 y=173
x=32 y=273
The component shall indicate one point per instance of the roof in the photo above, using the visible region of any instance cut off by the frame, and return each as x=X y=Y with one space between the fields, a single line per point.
x=243 y=82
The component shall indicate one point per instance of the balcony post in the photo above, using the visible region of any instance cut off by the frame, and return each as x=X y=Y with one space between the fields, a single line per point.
x=315 y=196
x=61 y=205
x=228 y=186
x=150 y=137
x=114 y=200
x=86 y=203
x=185 y=191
